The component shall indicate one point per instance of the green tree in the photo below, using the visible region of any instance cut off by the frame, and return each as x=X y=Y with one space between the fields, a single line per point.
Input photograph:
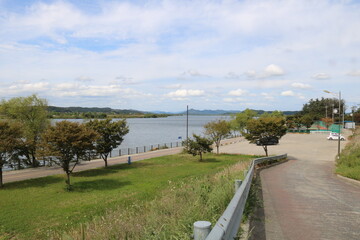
x=264 y=129
x=198 y=146
x=318 y=107
x=275 y=113
x=217 y=130
x=68 y=142
x=31 y=113
x=241 y=119
x=111 y=135
x=10 y=139
x=307 y=120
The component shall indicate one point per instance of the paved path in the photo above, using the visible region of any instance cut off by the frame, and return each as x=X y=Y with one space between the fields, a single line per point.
x=303 y=198
x=13 y=176
x=19 y=175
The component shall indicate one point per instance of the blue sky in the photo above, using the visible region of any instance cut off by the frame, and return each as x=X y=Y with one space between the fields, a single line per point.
x=164 y=55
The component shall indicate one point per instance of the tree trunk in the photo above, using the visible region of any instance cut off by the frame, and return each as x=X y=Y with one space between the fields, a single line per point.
x=104 y=157
x=34 y=161
x=68 y=181
x=19 y=163
x=200 y=156
x=1 y=177
x=217 y=149
x=265 y=149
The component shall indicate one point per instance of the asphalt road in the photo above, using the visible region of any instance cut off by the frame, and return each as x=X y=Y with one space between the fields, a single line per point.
x=303 y=198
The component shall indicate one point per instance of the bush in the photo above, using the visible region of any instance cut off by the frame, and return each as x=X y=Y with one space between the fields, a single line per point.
x=349 y=163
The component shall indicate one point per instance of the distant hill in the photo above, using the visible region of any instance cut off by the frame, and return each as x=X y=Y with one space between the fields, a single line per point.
x=229 y=112
x=92 y=110
x=131 y=111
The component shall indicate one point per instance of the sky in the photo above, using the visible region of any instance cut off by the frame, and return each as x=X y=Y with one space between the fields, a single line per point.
x=164 y=55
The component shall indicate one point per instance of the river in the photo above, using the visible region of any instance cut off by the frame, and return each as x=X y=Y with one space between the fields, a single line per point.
x=150 y=132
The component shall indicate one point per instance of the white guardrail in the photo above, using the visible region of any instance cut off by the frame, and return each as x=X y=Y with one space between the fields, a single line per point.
x=227 y=226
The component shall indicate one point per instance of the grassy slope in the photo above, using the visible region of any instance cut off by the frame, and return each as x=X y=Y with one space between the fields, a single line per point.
x=349 y=163
x=35 y=208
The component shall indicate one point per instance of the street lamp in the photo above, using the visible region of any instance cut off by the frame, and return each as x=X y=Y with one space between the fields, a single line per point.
x=339 y=95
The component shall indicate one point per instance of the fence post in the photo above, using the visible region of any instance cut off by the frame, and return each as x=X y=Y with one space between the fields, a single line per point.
x=110 y=153
x=152 y=147
x=129 y=160
x=237 y=184
x=128 y=151
x=119 y=152
x=137 y=150
x=158 y=146
x=144 y=148
x=201 y=230
x=171 y=145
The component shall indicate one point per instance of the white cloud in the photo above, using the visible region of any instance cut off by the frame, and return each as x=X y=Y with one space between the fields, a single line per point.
x=321 y=76
x=288 y=93
x=269 y=71
x=237 y=92
x=185 y=93
x=233 y=100
x=273 y=70
x=25 y=87
x=267 y=96
x=62 y=41
x=251 y=74
x=354 y=73
x=300 y=85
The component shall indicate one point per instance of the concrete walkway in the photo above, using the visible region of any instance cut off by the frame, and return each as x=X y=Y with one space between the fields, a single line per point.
x=303 y=198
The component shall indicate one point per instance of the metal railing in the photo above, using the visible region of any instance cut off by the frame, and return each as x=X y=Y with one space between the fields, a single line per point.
x=142 y=149
x=227 y=227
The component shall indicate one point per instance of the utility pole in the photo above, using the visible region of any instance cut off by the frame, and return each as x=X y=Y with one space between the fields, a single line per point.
x=326 y=111
x=339 y=124
x=187 y=122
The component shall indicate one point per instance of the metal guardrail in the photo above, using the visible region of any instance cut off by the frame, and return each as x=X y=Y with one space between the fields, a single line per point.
x=227 y=226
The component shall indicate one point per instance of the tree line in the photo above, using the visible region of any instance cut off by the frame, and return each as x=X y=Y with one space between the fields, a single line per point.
x=26 y=137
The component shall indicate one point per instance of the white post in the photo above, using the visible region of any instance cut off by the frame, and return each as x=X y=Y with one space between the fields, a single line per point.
x=201 y=230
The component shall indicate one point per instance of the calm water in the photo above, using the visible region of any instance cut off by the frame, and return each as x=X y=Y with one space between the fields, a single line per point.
x=151 y=131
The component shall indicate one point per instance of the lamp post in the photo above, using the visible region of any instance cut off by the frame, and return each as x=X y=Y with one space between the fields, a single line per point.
x=339 y=95
x=326 y=111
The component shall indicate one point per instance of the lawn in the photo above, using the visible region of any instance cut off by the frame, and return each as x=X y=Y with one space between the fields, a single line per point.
x=40 y=208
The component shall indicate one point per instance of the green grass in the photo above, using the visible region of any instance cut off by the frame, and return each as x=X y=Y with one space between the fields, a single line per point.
x=41 y=208
x=349 y=163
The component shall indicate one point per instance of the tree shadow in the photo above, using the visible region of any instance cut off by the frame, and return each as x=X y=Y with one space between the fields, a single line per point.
x=35 y=182
x=99 y=184
x=210 y=160
x=110 y=169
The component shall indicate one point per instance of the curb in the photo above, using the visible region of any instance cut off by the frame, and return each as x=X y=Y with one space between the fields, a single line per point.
x=350 y=180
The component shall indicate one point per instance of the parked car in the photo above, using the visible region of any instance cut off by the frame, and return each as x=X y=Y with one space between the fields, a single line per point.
x=267 y=141
x=335 y=136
